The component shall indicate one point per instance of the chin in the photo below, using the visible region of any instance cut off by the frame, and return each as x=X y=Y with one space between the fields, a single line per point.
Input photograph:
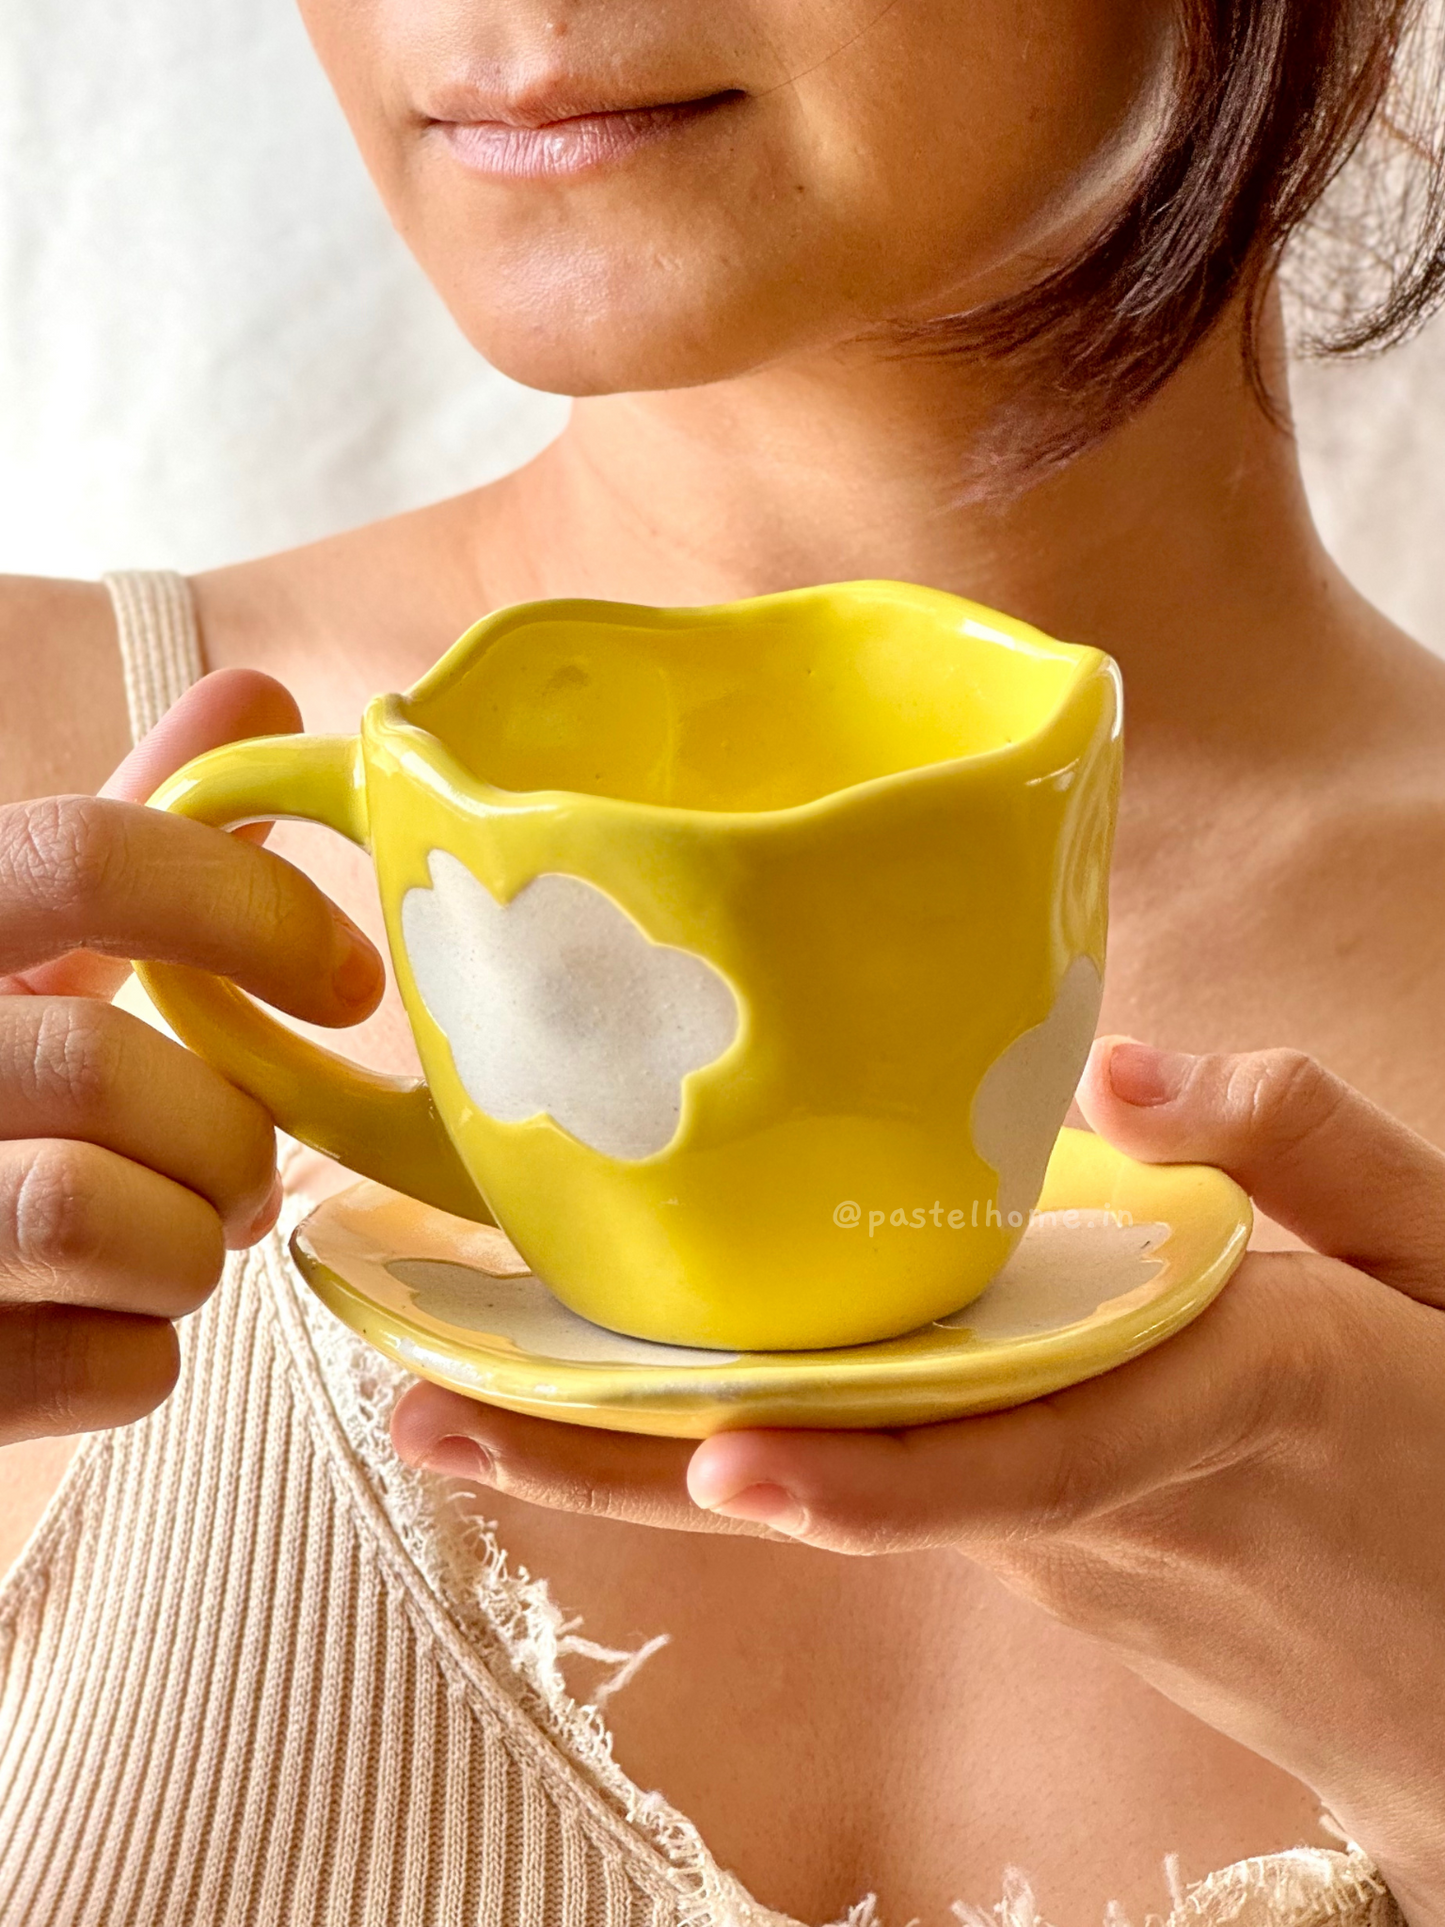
x=587 y=326
x=596 y=359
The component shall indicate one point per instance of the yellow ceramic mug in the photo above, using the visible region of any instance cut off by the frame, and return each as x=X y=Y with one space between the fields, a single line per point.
x=752 y=952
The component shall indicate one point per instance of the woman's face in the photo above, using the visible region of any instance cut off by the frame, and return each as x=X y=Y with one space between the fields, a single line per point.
x=633 y=194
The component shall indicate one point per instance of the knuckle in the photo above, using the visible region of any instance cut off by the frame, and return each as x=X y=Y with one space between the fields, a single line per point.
x=54 y=1226
x=562 y=1491
x=63 y=853
x=61 y=1239
x=1284 y=1096
x=77 y=1051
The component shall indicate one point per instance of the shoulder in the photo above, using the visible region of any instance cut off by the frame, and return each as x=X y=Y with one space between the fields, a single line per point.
x=371 y=608
x=63 y=721
x=399 y=586
x=378 y=603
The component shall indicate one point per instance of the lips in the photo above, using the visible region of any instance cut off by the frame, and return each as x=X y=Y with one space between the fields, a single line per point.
x=531 y=138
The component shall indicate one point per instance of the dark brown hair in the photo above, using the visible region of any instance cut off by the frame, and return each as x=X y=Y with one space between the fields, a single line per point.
x=1316 y=122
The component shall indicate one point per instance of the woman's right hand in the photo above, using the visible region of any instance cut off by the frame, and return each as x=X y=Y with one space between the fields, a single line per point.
x=127 y=1165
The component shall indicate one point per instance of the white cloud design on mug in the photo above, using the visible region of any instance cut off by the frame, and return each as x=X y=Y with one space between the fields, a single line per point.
x=558 y=1002
x=1024 y=1095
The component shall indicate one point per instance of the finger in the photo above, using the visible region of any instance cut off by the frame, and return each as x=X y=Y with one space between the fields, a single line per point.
x=1317 y=1156
x=965 y=1483
x=220 y=708
x=567 y=1468
x=81 y=1226
x=64 y=1369
x=1223 y=1391
x=124 y=881
x=924 y=1486
x=1252 y=1371
x=74 y=1068
x=1043 y=1466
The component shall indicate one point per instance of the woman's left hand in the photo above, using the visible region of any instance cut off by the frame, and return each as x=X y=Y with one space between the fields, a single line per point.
x=1252 y=1516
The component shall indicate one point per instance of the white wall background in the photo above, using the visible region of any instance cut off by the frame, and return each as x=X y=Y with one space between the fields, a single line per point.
x=212 y=345
x=211 y=342
x=1372 y=434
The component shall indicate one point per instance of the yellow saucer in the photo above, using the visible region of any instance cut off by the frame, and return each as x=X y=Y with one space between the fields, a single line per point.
x=1119 y=1256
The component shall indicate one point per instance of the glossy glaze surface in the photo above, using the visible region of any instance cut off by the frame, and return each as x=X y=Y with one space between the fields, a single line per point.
x=879 y=815
x=1127 y=1255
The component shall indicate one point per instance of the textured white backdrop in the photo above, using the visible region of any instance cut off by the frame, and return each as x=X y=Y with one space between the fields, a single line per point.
x=211 y=342
x=212 y=345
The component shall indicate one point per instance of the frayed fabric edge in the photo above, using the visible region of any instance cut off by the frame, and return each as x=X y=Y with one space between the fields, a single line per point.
x=458 y=1554
x=1302 y=1887
x=513 y=1618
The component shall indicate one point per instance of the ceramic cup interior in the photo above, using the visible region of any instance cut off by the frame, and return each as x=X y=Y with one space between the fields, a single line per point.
x=717 y=717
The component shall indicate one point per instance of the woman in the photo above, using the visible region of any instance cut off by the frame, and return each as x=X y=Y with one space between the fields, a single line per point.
x=975 y=296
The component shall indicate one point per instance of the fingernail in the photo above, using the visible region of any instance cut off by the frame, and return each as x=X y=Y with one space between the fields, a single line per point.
x=358 y=973
x=459 y=1458
x=764 y=1505
x=1141 y=1075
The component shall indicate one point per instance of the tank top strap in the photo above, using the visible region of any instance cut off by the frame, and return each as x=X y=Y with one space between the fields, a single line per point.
x=160 y=641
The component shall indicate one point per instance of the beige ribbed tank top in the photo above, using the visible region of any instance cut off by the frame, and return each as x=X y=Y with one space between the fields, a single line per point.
x=256 y=1673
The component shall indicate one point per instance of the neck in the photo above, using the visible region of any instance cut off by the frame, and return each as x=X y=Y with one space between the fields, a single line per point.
x=1177 y=545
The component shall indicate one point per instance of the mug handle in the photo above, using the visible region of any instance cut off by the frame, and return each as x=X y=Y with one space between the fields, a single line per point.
x=384 y=1127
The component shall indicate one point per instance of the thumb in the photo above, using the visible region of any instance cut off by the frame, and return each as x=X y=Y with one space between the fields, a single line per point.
x=1319 y=1158
x=221 y=708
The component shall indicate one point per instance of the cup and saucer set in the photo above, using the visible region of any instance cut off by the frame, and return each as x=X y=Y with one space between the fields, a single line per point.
x=752 y=955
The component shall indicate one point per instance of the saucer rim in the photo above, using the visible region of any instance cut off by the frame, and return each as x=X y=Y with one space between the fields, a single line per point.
x=1209 y=1219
